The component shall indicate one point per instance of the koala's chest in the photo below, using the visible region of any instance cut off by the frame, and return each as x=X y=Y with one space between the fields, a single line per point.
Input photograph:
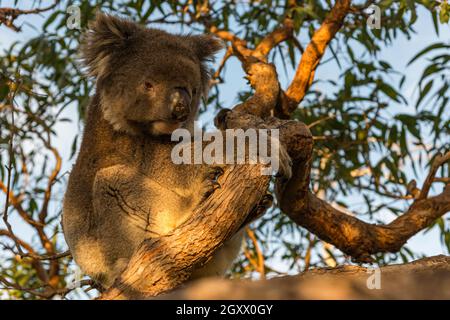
x=139 y=204
x=164 y=195
x=155 y=161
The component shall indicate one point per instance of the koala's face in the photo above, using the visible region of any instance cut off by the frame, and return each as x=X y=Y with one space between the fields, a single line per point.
x=149 y=81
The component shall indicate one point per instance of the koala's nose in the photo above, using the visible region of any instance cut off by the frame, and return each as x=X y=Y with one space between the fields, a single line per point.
x=180 y=104
x=180 y=112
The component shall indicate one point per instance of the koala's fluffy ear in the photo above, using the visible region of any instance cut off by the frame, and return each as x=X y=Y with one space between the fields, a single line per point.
x=106 y=36
x=205 y=46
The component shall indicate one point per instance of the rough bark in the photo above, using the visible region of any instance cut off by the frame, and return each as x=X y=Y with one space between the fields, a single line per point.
x=427 y=278
x=163 y=263
x=310 y=60
x=359 y=239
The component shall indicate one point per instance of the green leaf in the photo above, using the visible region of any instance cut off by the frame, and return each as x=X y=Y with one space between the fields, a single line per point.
x=434 y=46
x=50 y=20
x=424 y=92
x=389 y=91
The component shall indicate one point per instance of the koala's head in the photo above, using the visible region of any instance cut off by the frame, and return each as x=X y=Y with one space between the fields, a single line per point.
x=149 y=81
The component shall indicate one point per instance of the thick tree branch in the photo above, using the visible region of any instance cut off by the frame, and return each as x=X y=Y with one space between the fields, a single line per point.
x=273 y=39
x=427 y=278
x=360 y=239
x=349 y=234
x=164 y=263
x=254 y=61
x=304 y=75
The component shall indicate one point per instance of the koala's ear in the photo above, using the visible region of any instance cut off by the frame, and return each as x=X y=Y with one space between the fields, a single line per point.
x=205 y=46
x=107 y=35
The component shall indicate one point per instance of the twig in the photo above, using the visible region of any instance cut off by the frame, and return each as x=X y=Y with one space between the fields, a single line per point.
x=47 y=257
x=320 y=121
x=228 y=54
x=443 y=180
x=439 y=160
x=273 y=39
x=311 y=243
x=260 y=256
x=11 y=95
x=9 y=15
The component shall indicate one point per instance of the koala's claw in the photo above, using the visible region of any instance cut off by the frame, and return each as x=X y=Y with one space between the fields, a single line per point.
x=216 y=173
x=220 y=119
x=211 y=183
x=210 y=188
x=265 y=203
x=215 y=185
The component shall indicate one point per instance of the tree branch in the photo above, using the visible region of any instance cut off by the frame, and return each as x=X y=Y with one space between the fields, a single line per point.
x=360 y=239
x=273 y=39
x=164 y=263
x=304 y=75
x=427 y=278
x=9 y=15
x=439 y=160
x=349 y=234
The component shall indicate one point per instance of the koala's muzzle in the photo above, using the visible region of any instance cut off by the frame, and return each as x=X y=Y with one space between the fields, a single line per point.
x=180 y=104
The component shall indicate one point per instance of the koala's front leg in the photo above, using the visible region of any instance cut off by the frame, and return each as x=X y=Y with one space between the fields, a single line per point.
x=231 y=119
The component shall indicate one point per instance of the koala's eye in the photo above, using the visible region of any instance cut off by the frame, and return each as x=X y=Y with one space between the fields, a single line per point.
x=148 y=85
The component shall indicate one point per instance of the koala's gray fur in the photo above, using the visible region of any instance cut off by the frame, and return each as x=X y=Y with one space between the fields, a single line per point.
x=124 y=187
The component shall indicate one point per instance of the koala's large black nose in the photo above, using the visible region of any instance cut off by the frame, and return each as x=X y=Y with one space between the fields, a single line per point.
x=180 y=112
x=181 y=101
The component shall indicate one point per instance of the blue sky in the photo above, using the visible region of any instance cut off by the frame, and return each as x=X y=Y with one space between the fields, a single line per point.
x=398 y=54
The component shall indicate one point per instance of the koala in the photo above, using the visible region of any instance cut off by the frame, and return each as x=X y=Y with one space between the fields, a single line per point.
x=124 y=188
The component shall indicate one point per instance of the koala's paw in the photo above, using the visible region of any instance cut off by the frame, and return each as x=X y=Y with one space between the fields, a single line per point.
x=265 y=203
x=210 y=181
x=285 y=165
x=258 y=210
